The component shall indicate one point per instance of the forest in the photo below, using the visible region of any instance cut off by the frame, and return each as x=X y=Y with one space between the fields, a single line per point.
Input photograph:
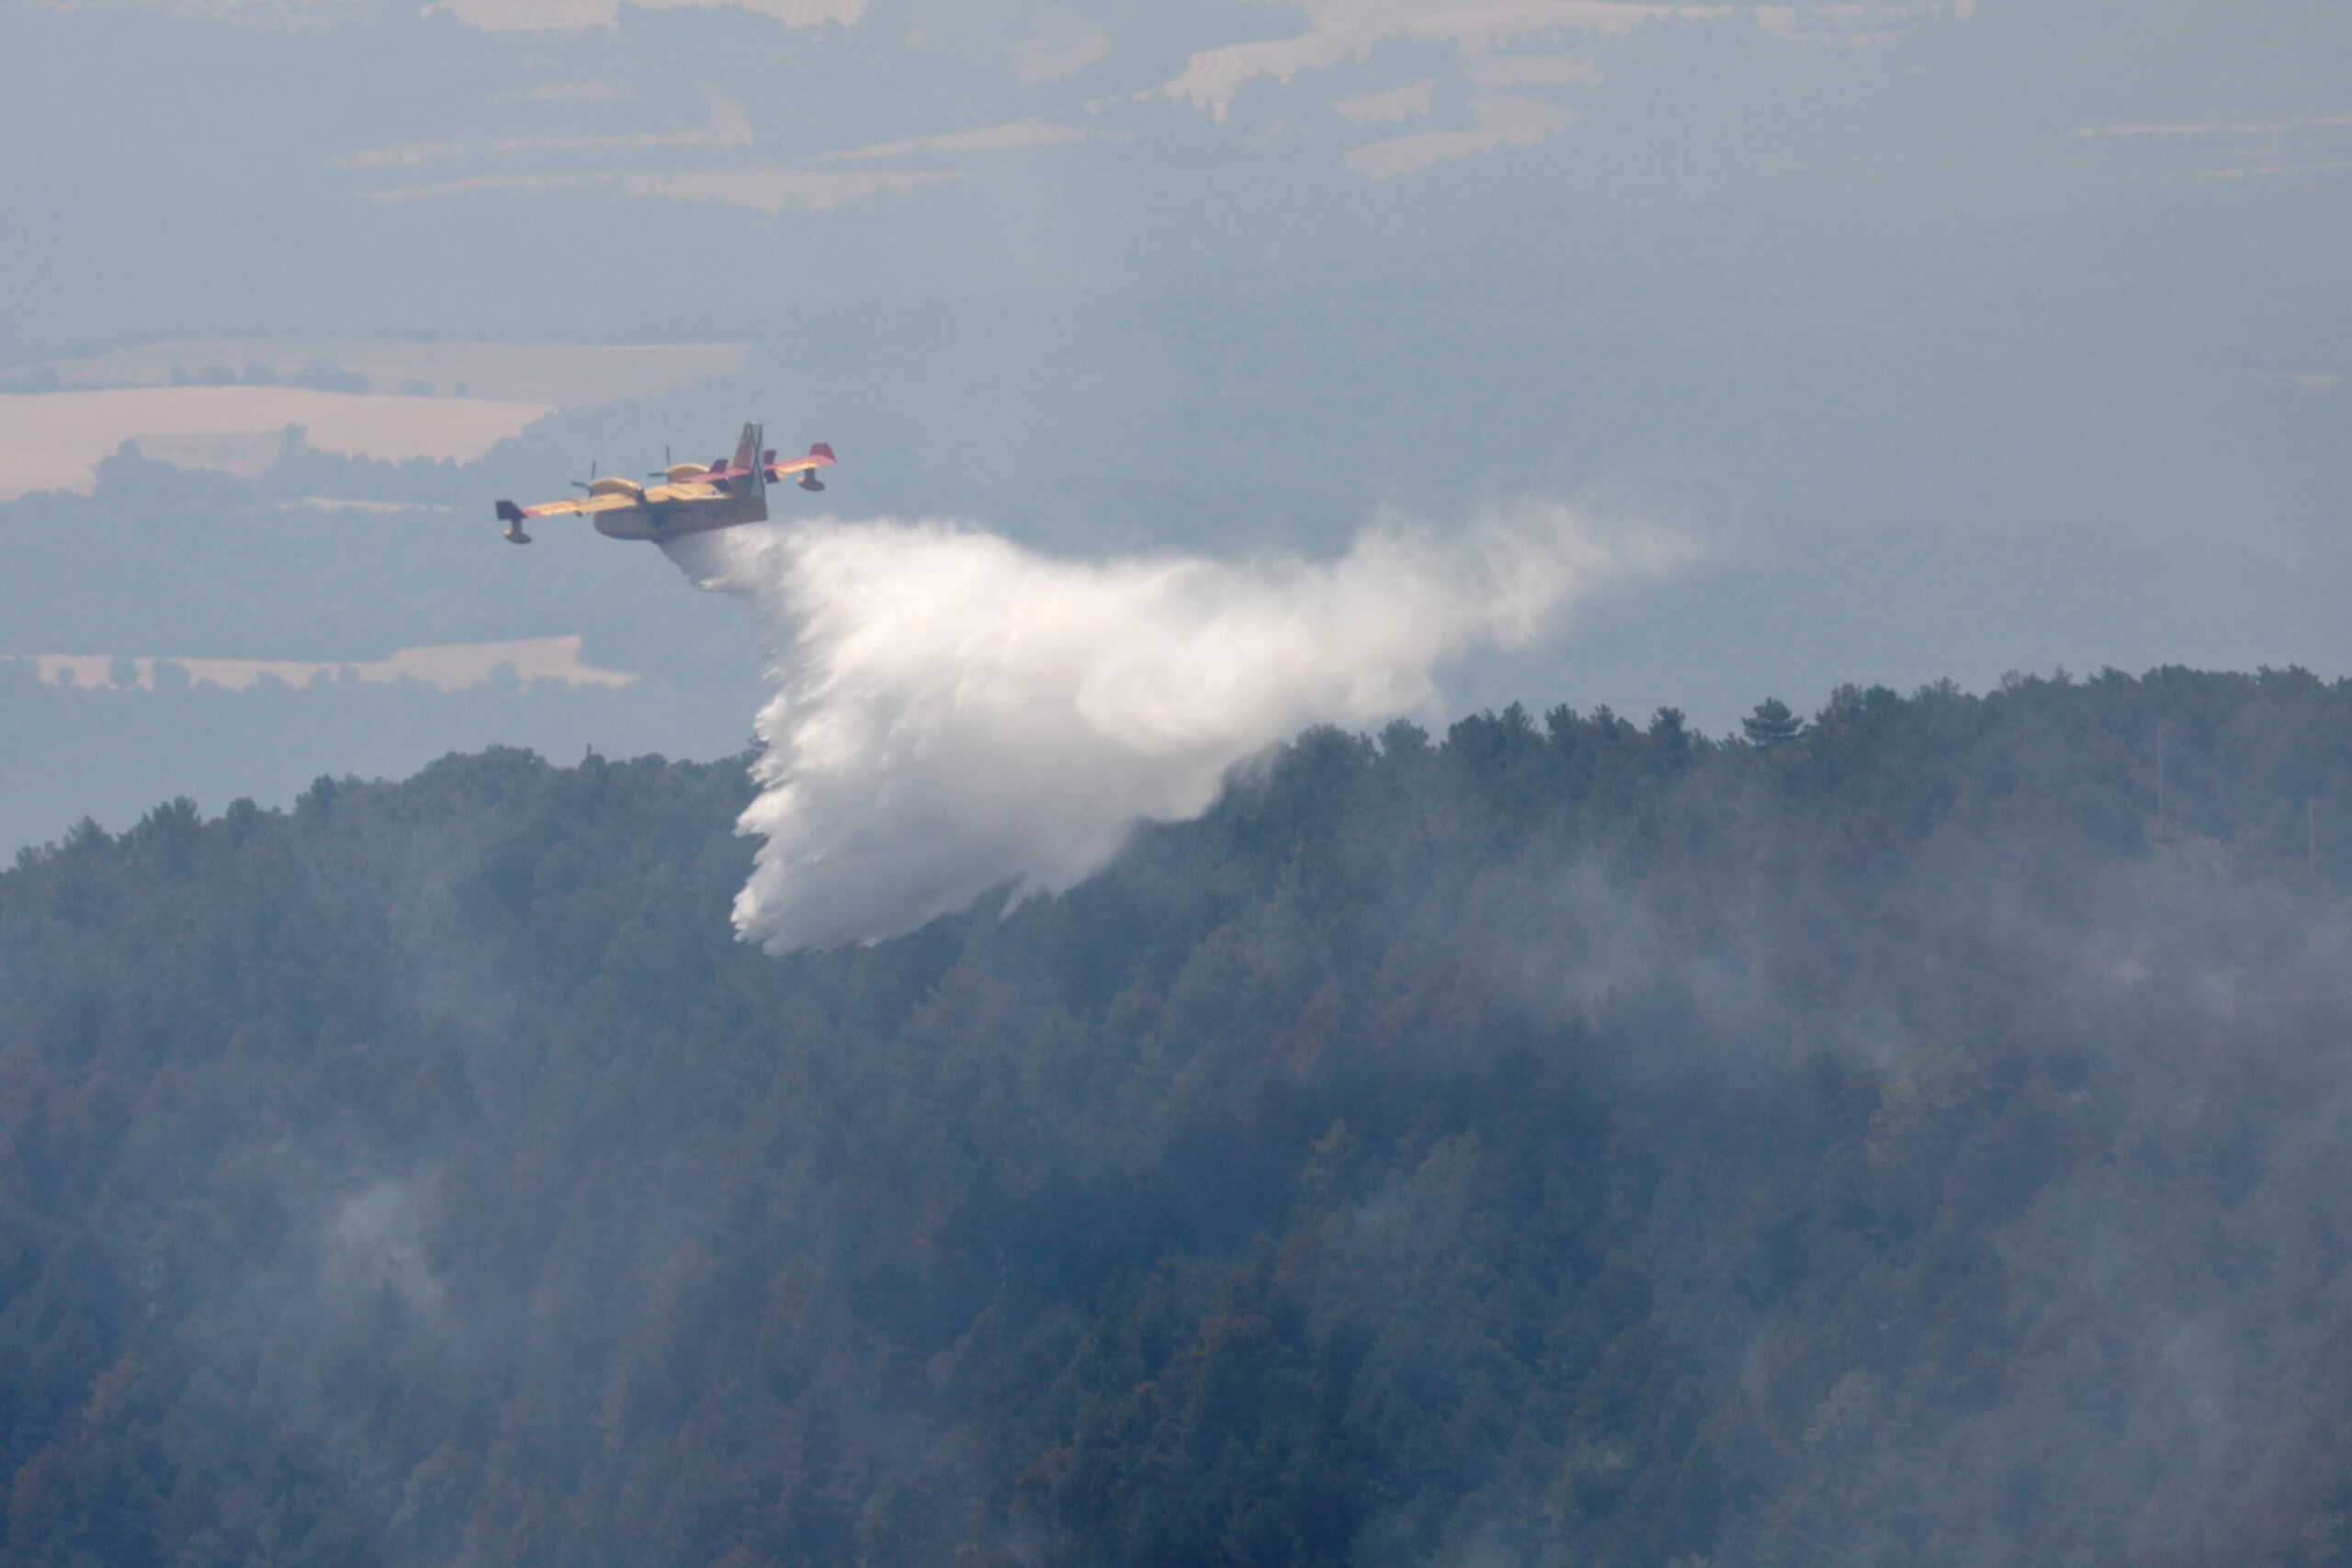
x=1913 y=1133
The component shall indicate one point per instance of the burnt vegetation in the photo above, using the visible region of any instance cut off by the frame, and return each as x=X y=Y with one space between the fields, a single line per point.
x=1917 y=1133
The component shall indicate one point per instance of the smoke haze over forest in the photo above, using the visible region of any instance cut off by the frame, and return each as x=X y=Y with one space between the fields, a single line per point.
x=1918 y=1138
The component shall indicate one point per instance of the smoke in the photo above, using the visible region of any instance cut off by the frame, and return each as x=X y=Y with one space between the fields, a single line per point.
x=954 y=713
x=375 y=1242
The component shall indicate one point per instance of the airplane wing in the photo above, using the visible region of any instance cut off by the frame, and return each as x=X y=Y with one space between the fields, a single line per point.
x=512 y=515
x=584 y=504
x=820 y=456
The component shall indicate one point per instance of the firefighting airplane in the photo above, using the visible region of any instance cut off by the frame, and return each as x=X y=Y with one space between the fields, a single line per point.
x=691 y=499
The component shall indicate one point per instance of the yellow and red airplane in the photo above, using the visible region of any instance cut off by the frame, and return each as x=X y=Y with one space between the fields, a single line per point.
x=691 y=499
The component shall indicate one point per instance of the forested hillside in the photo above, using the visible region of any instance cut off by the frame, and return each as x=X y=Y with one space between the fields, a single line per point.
x=1916 y=1135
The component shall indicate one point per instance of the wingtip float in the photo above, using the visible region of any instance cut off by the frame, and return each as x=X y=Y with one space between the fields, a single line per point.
x=692 y=498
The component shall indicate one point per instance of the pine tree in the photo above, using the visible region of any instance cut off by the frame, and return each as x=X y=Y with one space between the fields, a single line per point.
x=1771 y=723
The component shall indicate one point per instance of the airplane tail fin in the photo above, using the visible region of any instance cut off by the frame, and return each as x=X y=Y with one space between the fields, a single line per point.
x=747 y=456
x=512 y=515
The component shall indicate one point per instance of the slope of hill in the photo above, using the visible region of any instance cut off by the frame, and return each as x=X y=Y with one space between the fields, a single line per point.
x=1917 y=1138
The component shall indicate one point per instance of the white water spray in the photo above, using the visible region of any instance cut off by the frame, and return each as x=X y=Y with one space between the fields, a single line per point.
x=954 y=711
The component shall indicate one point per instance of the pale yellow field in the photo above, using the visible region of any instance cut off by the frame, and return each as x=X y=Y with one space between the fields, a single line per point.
x=559 y=374
x=450 y=666
x=1502 y=122
x=54 y=440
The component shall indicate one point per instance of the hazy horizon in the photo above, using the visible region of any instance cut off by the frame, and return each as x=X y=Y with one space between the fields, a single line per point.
x=1976 y=337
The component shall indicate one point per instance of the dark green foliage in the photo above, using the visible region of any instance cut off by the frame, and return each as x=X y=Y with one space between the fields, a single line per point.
x=1569 y=1143
x=1771 y=723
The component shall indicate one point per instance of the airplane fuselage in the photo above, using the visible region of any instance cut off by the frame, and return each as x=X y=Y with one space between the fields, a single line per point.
x=670 y=511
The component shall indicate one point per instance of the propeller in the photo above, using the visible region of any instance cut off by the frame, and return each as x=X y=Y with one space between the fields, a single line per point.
x=590 y=480
x=663 y=471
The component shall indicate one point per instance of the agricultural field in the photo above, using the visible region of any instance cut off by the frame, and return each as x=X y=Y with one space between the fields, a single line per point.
x=449 y=667
x=225 y=404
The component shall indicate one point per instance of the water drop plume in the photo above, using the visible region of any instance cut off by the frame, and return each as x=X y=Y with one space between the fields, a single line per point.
x=953 y=712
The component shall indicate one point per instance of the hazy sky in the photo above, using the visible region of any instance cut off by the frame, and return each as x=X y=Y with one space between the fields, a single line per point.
x=1974 y=336
x=341 y=165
